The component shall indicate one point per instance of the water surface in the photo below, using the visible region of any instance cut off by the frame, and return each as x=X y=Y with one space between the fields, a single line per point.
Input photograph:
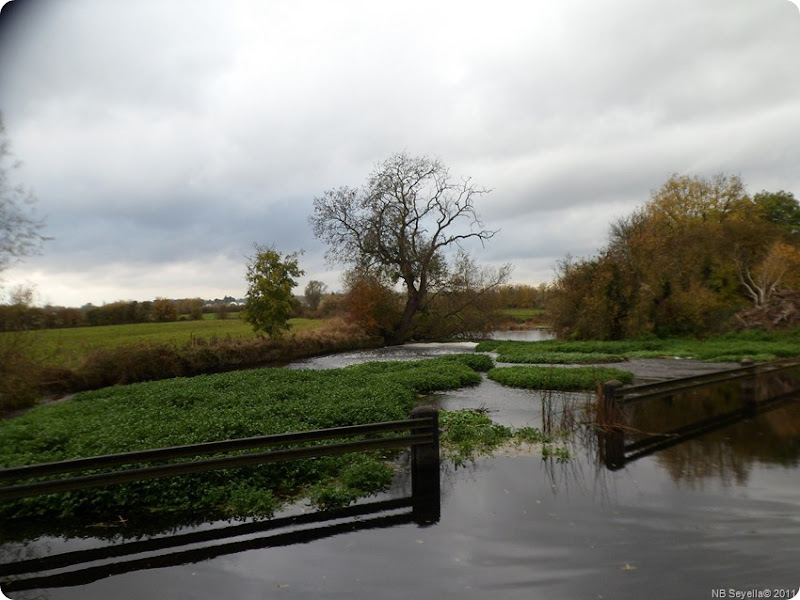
x=716 y=512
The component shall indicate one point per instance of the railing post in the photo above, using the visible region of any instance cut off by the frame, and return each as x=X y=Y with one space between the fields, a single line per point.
x=749 y=387
x=612 y=437
x=610 y=412
x=425 y=487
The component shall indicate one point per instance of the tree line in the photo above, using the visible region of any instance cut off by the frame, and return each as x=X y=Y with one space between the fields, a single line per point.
x=699 y=251
x=21 y=315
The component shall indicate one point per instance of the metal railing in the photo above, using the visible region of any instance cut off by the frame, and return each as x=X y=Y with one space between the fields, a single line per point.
x=762 y=387
x=422 y=437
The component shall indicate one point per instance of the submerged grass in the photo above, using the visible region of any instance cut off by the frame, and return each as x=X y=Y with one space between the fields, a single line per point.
x=468 y=433
x=217 y=407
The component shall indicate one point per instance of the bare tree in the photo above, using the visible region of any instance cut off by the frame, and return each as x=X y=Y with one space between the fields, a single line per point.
x=466 y=305
x=19 y=229
x=761 y=281
x=314 y=292
x=399 y=226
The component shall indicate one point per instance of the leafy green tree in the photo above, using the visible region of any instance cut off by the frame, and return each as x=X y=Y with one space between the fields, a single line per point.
x=399 y=226
x=780 y=208
x=270 y=277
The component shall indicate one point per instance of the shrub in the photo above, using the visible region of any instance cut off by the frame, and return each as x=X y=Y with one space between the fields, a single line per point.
x=20 y=374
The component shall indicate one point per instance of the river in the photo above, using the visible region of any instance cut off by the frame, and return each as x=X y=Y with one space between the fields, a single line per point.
x=714 y=515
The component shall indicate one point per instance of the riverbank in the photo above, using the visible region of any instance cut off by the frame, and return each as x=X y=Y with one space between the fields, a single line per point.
x=32 y=378
x=753 y=345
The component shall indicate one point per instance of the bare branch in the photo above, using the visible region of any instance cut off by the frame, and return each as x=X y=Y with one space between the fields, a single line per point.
x=19 y=228
x=409 y=212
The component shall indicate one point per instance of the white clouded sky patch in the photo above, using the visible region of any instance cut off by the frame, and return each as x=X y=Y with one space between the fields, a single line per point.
x=163 y=138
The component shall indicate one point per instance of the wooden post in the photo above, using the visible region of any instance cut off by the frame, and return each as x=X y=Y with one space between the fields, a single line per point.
x=425 y=487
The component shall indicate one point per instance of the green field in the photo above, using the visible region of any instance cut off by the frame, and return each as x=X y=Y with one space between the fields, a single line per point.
x=65 y=347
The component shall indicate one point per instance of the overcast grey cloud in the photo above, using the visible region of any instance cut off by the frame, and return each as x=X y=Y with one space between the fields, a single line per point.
x=163 y=138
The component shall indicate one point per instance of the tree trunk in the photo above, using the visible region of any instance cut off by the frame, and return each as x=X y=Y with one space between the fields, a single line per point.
x=404 y=329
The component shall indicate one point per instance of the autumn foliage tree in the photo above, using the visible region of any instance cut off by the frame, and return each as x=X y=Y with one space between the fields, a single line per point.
x=371 y=303
x=164 y=310
x=466 y=304
x=780 y=265
x=683 y=263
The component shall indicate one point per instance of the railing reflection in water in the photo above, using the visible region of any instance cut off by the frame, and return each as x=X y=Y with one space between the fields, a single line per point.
x=422 y=509
x=638 y=421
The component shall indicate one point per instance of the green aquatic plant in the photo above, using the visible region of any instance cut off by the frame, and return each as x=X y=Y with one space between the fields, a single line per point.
x=207 y=408
x=560 y=453
x=565 y=358
x=557 y=378
x=468 y=433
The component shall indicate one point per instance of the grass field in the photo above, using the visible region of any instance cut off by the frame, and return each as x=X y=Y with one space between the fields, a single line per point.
x=66 y=347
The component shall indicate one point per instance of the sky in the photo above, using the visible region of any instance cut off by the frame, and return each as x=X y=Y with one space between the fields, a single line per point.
x=163 y=138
